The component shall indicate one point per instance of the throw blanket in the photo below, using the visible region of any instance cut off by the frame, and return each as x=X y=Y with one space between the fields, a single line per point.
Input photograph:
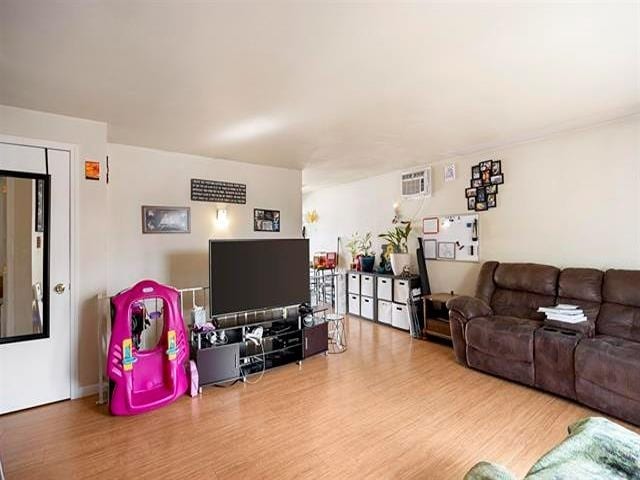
x=595 y=449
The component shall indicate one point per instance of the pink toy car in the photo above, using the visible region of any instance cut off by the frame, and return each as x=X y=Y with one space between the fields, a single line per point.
x=144 y=380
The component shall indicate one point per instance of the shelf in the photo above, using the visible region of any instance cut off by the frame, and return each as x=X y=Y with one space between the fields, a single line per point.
x=271 y=352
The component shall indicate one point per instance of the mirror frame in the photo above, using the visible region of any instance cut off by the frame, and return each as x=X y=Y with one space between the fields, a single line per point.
x=46 y=288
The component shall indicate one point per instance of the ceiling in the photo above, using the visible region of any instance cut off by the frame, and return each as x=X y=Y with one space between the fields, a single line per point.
x=340 y=90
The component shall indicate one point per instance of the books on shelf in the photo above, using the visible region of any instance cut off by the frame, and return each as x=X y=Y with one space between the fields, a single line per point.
x=564 y=313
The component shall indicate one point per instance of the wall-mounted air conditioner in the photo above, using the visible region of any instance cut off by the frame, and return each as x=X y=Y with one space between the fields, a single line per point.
x=416 y=183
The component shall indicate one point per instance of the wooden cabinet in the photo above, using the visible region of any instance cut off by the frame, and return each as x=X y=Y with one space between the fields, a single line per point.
x=315 y=340
x=217 y=364
x=436 y=315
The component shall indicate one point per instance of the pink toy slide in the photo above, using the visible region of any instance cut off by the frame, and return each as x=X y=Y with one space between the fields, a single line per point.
x=149 y=379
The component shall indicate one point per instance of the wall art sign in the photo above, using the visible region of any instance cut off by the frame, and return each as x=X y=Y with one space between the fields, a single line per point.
x=266 y=220
x=91 y=170
x=483 y=192
x=166 y=219
x=217 y=191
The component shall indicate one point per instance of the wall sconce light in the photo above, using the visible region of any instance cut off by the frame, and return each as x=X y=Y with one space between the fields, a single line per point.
x=222 y=220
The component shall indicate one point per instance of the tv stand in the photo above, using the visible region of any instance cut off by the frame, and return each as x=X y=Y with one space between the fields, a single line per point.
x=285 y=340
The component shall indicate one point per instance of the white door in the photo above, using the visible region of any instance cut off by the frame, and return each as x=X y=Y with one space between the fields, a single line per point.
x=35 y=309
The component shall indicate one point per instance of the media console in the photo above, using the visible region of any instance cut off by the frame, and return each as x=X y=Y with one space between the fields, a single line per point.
x=234 y=356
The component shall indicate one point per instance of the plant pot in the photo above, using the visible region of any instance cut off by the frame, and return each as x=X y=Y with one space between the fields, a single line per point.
x=399 y=261
x=366 y=262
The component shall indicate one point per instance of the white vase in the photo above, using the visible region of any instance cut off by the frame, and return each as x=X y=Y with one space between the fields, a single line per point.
x=400 y=261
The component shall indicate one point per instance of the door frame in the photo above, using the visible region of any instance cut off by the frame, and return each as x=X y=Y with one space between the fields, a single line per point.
x=74 y=236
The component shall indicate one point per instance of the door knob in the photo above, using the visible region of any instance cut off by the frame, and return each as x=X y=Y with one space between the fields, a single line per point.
x=60 y=288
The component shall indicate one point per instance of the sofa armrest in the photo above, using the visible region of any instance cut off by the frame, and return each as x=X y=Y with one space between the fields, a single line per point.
x=468 y=308
x=489 y=471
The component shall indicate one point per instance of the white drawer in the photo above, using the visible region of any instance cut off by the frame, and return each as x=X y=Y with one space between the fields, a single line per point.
x=385 y=288
x=366 y=285
x=354 y=283
x=400 y=290
x=366 y=307
x=384 y=312
x=400 y=316
x=354 y=304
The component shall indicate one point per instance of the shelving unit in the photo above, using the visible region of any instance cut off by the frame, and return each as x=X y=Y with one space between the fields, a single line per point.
x=380 y=297
x=285 y=340
x=323 y=285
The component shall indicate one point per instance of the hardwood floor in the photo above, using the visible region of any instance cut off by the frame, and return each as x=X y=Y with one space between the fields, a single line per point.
x=390 y=407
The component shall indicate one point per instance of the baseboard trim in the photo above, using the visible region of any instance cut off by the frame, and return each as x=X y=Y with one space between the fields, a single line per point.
x=85 y=391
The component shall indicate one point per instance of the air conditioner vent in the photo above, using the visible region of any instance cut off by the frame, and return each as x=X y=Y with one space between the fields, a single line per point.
x=416 y=183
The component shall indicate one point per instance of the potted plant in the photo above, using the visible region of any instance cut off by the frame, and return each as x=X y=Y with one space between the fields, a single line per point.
x=368 y=258
x=353 y=245
x=397 y=237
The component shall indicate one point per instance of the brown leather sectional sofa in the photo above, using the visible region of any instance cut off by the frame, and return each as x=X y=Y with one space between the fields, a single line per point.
x=596 y=362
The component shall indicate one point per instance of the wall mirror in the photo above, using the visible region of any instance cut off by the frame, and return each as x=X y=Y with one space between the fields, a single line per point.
x=24 y=256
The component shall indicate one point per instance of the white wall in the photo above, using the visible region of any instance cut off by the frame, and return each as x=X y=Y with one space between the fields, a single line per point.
x=572 y=199
x=142 y=176
x=112 y=252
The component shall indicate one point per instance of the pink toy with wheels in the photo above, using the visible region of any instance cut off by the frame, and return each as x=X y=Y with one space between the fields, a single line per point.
x=142 y=380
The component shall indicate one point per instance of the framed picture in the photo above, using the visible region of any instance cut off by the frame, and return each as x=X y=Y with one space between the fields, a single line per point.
x=497 y=179
x=491 y=189
x=429 y=247
x=486 y=166
x=450 y=172
x=447 y=250
x=481 y=194
x=486 y=177
x=470 y=192
x=471 y=203
x=430 y=225
x=39 y=214
x=476 y=183
x=496 y=167
x=475 y=172
x=91 y=170
x=481 y=206
x=166 y=219
x=492 y=201
x=266 y=220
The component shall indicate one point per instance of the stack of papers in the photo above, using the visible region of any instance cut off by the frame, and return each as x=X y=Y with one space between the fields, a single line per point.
x=564 y=313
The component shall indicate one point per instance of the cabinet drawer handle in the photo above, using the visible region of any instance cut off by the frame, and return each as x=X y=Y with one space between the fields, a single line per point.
x=383 y=281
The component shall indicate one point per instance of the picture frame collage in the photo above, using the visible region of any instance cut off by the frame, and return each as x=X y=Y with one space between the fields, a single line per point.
x=482 y=194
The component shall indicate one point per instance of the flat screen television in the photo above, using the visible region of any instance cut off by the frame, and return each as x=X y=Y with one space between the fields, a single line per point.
x=249 y=275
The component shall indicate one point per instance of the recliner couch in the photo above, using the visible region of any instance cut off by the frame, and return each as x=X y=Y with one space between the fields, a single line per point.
x=597 y=362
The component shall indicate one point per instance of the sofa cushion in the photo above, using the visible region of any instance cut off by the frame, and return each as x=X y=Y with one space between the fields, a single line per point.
x=527 y=277
x=520 y=288
x=582 y=287
x=485 y=285
x=620 y=312
x=611 y=363
x=508 y=338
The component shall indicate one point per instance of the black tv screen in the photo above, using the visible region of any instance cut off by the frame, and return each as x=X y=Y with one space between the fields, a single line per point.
x=254 y=274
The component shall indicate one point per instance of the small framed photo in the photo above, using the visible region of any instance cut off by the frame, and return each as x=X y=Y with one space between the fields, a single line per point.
x=491 y=189
x=496 y=167
x=471 y=203
x=429 y=247
x=166 y=219
x=491 y=200
x=430 y=225
x=497 y=179
x=481 y=206
x=481 y=194
x=447 y=250
x=486 y=177
x=470 y=192
x=450 y=172
x=476 y=183
x=486 y=165
x=475 y=172
x=266 y=220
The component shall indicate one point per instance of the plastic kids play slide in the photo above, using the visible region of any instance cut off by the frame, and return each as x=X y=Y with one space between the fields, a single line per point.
x=143 y=380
